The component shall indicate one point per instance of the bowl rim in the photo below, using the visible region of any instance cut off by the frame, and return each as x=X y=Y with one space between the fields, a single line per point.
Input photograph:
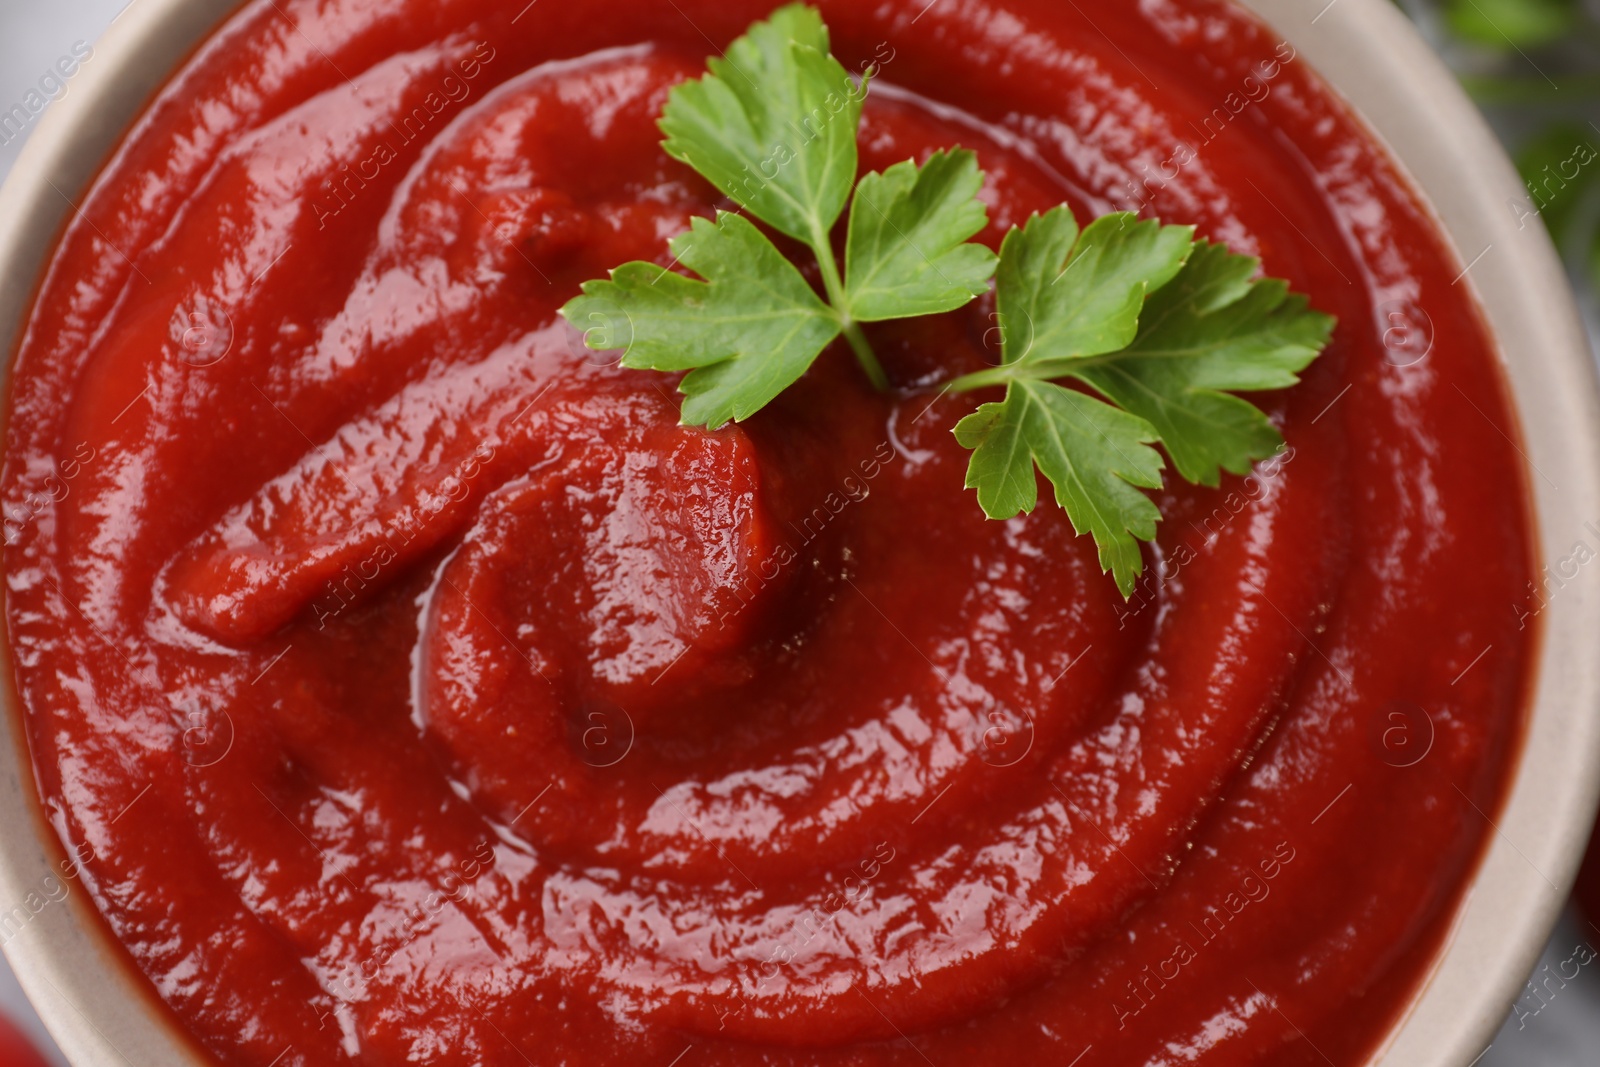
x=101 y=1012
x=91 y=999
x=1377 y=60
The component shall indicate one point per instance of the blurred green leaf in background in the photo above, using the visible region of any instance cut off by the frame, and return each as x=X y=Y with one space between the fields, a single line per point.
x=1520 y=23
x=1561 y=166
x=1534 y=68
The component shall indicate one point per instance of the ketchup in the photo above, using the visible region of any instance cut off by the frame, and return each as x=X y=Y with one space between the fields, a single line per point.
x=414 y=689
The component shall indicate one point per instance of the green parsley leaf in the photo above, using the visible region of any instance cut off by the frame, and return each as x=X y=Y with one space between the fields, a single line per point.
x=746 y=333
x=907 y=252
x=773 y=125
x=1064 y=295
x=1212 y=329
x=1095 y=456
x=1163 y=327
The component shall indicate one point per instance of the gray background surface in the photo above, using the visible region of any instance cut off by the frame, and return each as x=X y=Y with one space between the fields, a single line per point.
x=1561 y=1029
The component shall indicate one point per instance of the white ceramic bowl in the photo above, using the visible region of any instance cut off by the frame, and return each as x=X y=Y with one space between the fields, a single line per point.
x=103 y=1015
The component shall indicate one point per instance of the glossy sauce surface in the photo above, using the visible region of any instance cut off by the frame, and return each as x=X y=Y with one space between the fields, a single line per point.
x=413 y=689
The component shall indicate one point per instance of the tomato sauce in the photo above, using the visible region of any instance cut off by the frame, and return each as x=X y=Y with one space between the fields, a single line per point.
x=414 y=689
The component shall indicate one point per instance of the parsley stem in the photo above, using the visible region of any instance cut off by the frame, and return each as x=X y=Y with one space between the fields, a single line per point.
x=1046 y=370
x=866 y=357
x=833 y=282
x=982 y=379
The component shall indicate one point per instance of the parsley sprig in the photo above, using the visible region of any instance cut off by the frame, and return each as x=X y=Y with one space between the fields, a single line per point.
x=1157 y=329
x=773 y=126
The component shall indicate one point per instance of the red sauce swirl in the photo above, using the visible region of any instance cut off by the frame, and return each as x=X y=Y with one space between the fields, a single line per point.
x=415 y=689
